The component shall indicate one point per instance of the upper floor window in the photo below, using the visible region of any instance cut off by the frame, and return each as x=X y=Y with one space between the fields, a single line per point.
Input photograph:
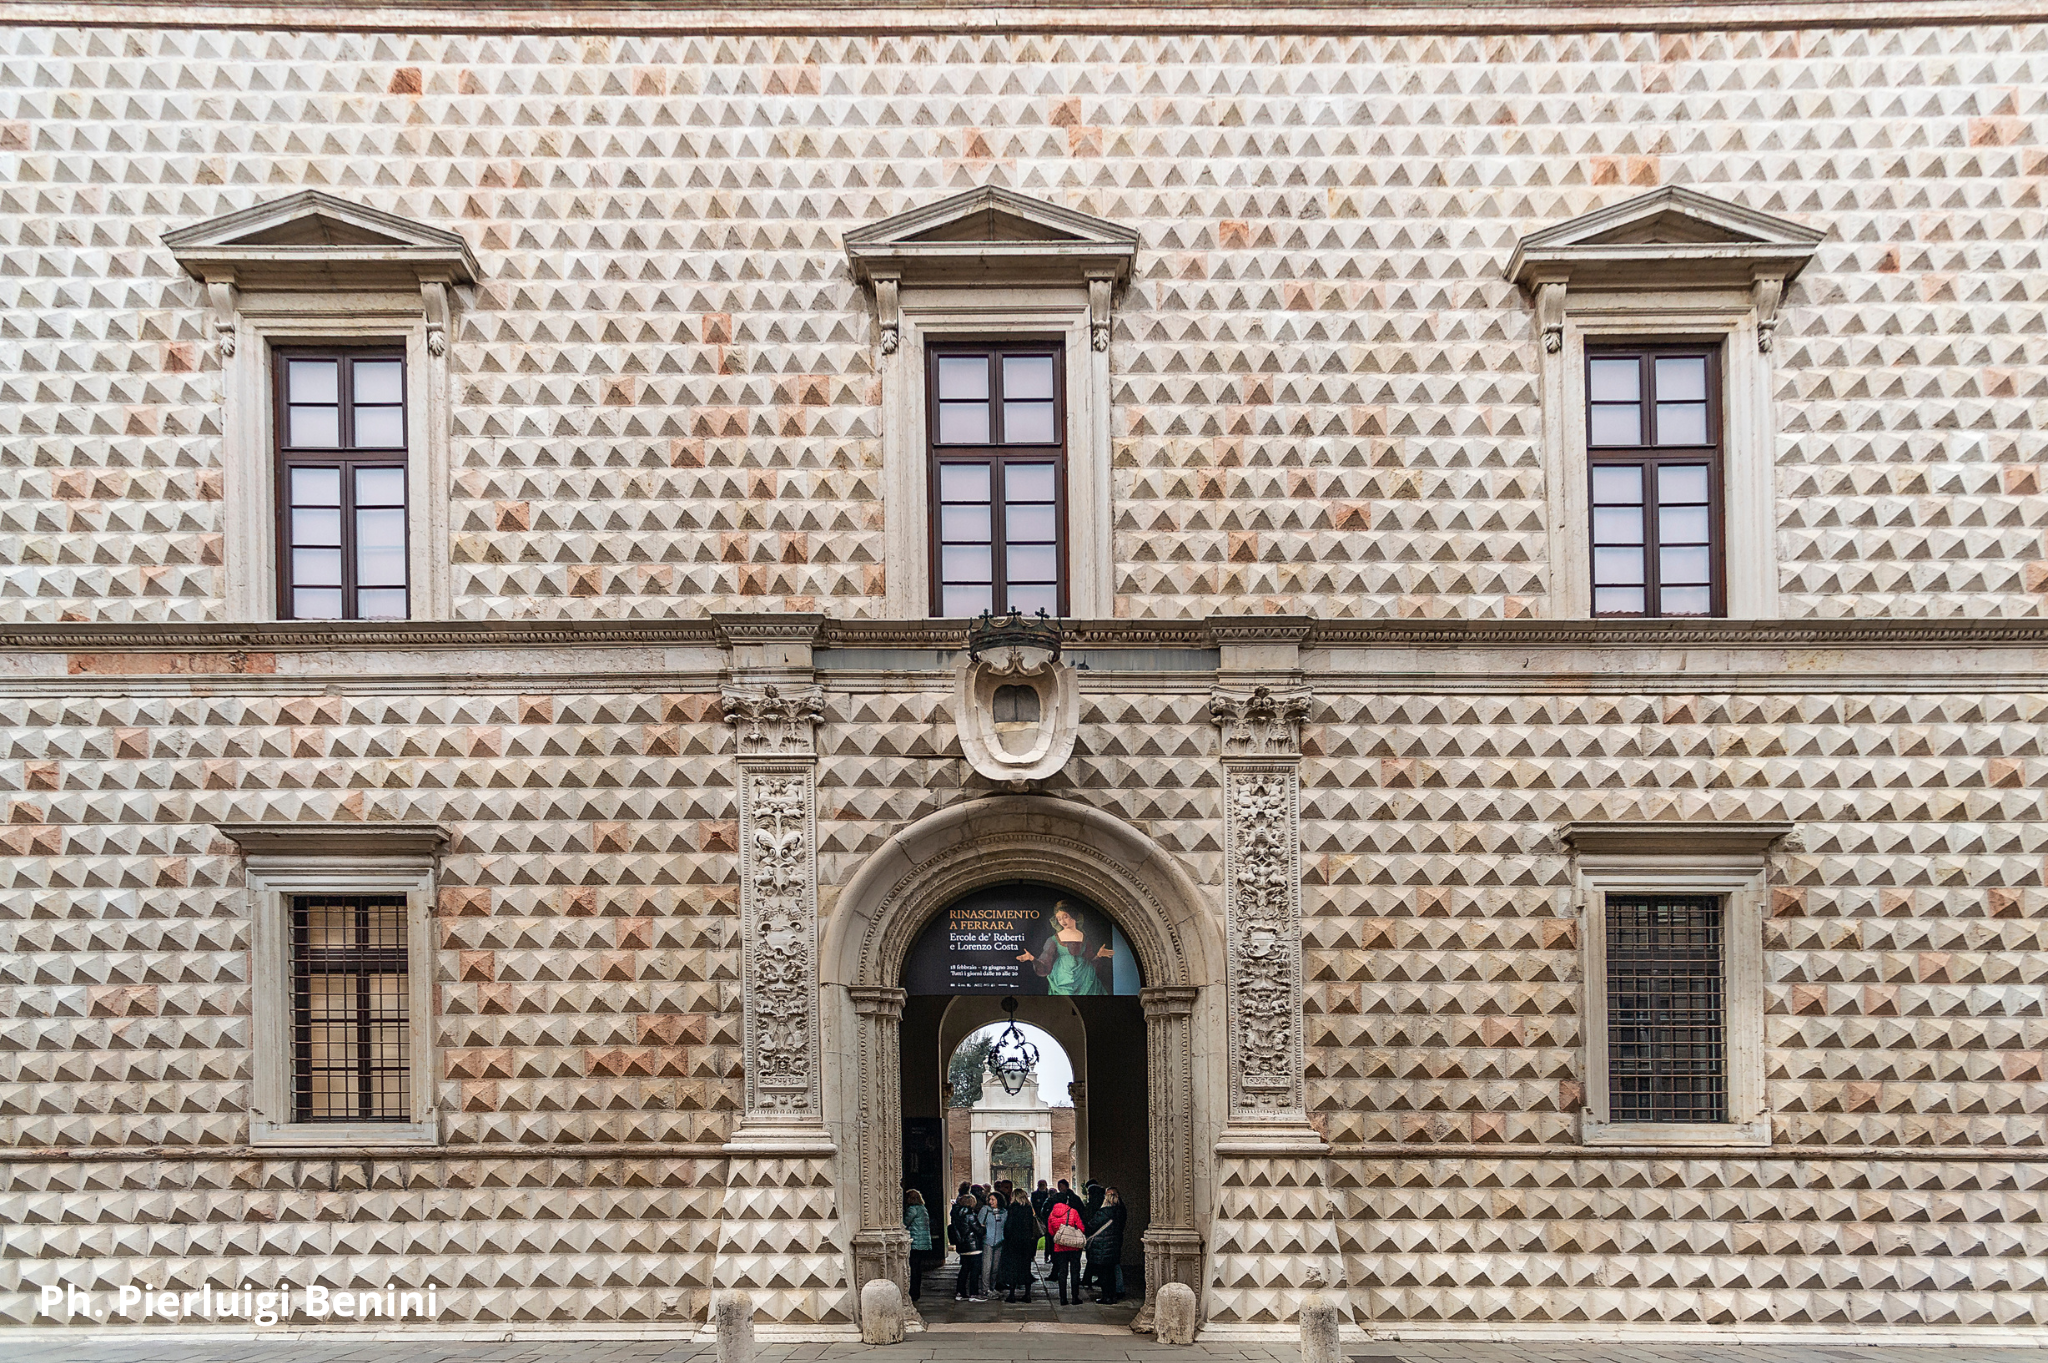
x=341 y=484
x=1653 y=426
x=996 y=425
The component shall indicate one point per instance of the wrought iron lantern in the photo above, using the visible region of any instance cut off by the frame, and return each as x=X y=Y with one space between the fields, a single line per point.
x=1013 y=1058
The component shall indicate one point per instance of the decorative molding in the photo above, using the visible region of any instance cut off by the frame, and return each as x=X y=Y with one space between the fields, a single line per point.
x=770 y=724
x=779 y=964
x=993 y=235
x=1262 y=889
x=1262 y=723
x=1669 y=238
x=315 y=241
x=417 y=840
x=1675 y=838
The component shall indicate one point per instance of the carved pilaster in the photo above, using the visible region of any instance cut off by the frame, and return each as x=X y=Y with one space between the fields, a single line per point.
x=881 y=1247
x=1173 y=1247
x=779 y=966
x=1261 y=748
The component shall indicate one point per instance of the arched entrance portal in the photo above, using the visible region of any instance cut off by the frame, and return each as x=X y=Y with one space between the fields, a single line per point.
x=949 y=855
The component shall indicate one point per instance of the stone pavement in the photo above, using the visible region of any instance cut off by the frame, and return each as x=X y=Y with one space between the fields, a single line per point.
x=966 y=1346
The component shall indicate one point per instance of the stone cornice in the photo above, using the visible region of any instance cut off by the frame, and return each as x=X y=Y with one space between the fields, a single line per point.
x=649 y=18
x=724 y=631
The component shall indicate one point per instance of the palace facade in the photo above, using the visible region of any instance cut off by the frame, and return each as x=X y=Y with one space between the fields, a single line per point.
x=1538 y=520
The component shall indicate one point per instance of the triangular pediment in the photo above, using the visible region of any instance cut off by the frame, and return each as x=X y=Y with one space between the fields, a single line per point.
x=991 y=231
x=317 y=237
x=1671 y=236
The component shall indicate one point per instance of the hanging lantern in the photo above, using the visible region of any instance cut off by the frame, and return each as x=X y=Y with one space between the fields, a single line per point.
x=1013 y=1058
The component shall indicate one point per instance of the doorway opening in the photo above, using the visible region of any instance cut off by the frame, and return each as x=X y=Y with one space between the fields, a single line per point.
x=1079 y=1115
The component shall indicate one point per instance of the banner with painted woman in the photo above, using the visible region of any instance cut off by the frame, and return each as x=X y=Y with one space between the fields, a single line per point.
x=1022 y=939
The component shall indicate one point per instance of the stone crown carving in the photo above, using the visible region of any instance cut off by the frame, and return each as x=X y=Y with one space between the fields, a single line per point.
x=1263 y=723
x=771 y=724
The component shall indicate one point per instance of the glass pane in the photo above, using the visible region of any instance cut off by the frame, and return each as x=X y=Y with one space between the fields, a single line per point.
x=1033 y=599
x=966 y=563
x=316 y=487
x=316 y=567
x=1682 y=524
x=383 y=603
x=1683 y=423
x=380 y=567
x=319 y=526
x=1681 y=483
x=312 y=381
x=1029 y=522
x=1027 y=376
x=1032 y=563
x=1027 y=483
x=1028 y=423
x=963 y=376
x=1617 y=426
x=963 y=482
x=963 y=423
x=1618 y=525
x=1681 y=567
x=380 y=487
x=381 y=529
x=1687 y=600
x=1681 y=378
x=1617 y=567
x=320 y=603
x=964 y=523
x=379 y=381
x=1617 y=484
x=970 y=600
x=1615 y=380
x=1618 y=600
x=380 y=428
x=314 y=428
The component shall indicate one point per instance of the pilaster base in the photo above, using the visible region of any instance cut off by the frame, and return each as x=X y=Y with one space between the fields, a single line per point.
x=1171 y=1256
x=779 y=1230
x=884 y=1254
x=1275 y=1237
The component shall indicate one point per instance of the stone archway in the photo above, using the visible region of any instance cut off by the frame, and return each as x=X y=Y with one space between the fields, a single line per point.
x=939 y=859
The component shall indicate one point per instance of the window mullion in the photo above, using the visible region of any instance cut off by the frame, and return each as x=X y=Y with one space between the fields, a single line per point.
x=998 y=534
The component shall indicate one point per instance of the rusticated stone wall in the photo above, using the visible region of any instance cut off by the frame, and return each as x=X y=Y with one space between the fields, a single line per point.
x=664 y=392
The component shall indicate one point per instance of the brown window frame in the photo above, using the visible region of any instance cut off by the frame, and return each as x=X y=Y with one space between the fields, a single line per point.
x=344 y=456
x=1650 y=457
x=361 y=961
x=996 y=455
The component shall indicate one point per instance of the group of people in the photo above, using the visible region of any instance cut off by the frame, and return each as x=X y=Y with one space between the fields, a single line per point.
x=999 y=1233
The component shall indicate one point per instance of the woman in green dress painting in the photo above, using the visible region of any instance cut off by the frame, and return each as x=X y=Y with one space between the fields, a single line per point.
x=1073 y=959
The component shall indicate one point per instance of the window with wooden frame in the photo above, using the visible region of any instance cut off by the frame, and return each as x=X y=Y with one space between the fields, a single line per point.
x=996 y=422
x=341 y=484
x=1653 y=424
x=351 y=1023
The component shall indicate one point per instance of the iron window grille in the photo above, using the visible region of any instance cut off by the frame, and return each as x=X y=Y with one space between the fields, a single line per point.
x=340 y=432
x=996 y=430
x=1653 y=450
x=1667 y=1051
x=350 y=1022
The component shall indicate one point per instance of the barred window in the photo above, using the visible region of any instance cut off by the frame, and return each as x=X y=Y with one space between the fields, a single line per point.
x=1666 y=1031
x=350 y=1023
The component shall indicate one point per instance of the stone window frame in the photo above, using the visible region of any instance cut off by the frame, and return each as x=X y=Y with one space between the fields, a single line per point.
x=282 y=861
x=1727 y=860
x=953 y=271
x=311 y=269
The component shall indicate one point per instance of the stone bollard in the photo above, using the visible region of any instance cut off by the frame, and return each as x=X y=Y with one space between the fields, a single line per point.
x=1173 y=1314
x=732 y=1319
x=1318 y=1325
x=881 y=1312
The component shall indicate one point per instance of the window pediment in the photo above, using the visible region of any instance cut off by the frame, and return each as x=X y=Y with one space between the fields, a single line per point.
x=1669 y=238
x=991 y=236
x=312 y=241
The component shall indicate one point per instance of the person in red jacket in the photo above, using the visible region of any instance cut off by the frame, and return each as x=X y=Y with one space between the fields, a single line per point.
x=1066 y=1263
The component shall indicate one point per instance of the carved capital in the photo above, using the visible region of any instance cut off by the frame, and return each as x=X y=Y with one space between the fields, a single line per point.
x=1768 y=291
x=1550 y=314
x=888 y=313
x=1264 y=723
x=779 y=962
x=1099 y=288
x=879 y=1001
x=434 y=299
x=222 y=304
x=1168 y=1000
x=768 y=723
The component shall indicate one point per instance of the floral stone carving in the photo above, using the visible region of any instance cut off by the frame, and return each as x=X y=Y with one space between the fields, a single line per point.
x=779 y=893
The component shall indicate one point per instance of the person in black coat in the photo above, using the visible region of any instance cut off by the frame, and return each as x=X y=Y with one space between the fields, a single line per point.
x=1106 y=1247
x=1020 y=1242
x=963 y=1229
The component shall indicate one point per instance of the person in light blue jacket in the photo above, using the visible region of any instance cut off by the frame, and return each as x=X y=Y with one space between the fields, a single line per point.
x=992 y=1216
x=918 y=1222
